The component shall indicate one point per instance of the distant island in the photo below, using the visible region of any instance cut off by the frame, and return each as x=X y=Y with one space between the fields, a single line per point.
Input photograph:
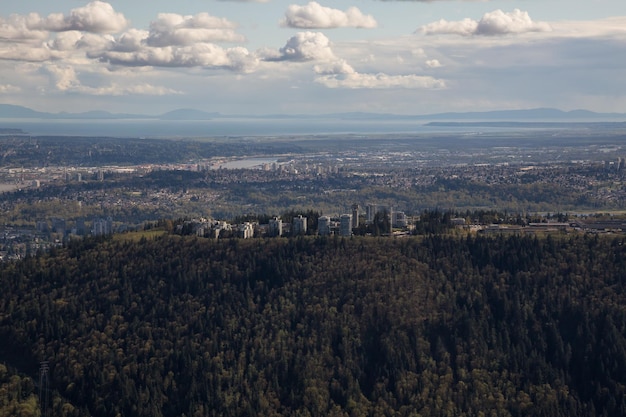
x=528 y=124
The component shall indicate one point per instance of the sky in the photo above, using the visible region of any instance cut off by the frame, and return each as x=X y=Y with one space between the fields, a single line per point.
x=313 y=57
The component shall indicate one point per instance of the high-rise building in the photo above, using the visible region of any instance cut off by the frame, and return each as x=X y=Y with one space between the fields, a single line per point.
x=345 y=225
x=299 y=225
x=355 y=216
x=370 y=213
x=399 y=219
x=102 y=226
x=246 y=230
x=323 y=225
x=275 y=227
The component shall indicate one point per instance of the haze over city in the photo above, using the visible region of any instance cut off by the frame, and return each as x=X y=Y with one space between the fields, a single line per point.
x=237 y=57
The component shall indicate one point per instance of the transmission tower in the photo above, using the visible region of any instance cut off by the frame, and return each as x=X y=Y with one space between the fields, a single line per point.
x=44 y=387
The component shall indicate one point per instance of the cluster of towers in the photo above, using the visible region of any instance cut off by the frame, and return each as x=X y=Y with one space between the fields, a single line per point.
x=350 y=221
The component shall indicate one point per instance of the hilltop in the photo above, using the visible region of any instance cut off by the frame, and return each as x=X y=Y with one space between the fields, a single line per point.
x=171 y=326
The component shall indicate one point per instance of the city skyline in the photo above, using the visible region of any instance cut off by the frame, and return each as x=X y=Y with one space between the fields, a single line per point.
x=244 y=57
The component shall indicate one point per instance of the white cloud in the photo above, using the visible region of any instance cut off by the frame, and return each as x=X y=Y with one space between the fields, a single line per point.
x=173 y=29
x=465 y=27
x=433 y=63
x=203 y=55
x=335 y=68
x=118 y=90
x=341 y=75
x=39 y=53
x=131 y=40
x=19 y=28
x=316 y=16
x=65 y=41
x=491 y=24
x=27 y=37
x=304 y=46
x=178 y=41
x=501 y=23
x=95 y=17
x=9 y=89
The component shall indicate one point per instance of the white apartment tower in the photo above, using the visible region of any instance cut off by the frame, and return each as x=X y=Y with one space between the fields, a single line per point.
x=355 y=216
x=299 y=225
x=345 y=225
x=101 y=227
x=246 y=230
x=370 y=213
x=323 y=226
x=275 y=227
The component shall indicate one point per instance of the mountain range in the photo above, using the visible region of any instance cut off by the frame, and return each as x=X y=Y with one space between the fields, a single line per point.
x=9 y=111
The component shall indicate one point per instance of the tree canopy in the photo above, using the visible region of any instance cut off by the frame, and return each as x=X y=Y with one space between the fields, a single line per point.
x=318 y=326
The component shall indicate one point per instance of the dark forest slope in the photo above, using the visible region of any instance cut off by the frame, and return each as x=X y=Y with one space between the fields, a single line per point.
x=439 y=326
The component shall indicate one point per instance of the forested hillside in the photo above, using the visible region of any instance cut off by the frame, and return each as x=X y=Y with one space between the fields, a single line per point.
x=432 y=326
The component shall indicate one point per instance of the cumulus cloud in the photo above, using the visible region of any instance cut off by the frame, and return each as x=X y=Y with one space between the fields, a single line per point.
x=465 y=27
x=173 y=29
x=304 y=46
x=340 y=74
x=26 y=54
x=433 y=63
x=199 y=55
x=95 y=17
x=334 y=68
x=491 y=24
x=65 y=41
x=316 y=16
x=178 y=41
x=21 y=28
x=501 y=23
x=131 y=40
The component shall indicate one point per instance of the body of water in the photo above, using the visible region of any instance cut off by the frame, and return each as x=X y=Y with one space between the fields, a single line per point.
x=215 y=128
x=248 y=163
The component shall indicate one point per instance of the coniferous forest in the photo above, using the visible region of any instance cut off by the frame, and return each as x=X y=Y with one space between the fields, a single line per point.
x=312 y=326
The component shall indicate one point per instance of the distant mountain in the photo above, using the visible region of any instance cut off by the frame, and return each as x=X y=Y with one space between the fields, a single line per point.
x=99 y=114
x=9 y=111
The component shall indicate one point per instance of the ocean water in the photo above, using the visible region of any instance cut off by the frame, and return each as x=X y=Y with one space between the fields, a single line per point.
x=215 y=128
